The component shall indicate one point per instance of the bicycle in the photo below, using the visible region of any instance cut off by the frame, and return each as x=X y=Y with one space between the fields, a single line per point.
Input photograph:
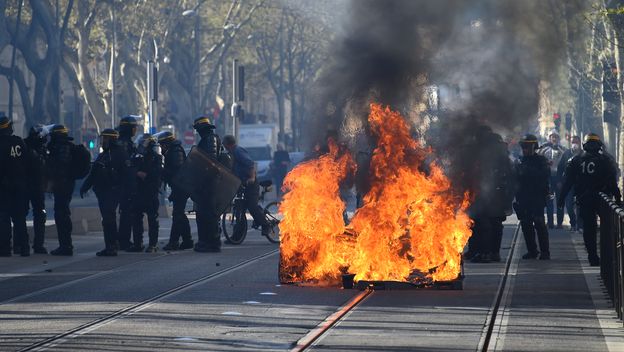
x=234 y=221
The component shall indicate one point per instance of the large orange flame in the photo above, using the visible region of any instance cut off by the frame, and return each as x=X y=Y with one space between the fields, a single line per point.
x=410 y=226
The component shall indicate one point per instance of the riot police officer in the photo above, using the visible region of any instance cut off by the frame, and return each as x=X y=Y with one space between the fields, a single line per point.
x=208 y=238
x=58 y=169
x=174 y=157
x=107 y=177
x=590 y=173
x=36 y=154
x=13 y=203
x=533 y=173
x=127 y=130
x=148 y=164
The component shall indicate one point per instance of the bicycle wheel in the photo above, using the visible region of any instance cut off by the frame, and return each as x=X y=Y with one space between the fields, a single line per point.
x=234 y=226
x=271 y=213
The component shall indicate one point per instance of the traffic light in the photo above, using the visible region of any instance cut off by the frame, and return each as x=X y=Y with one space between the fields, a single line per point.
x=568 y=121
x=557 y=120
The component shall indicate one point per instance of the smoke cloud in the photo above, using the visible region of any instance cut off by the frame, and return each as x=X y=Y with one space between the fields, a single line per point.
x=484 y=58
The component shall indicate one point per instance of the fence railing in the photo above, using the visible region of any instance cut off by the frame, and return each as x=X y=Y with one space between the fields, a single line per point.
x=612 y=251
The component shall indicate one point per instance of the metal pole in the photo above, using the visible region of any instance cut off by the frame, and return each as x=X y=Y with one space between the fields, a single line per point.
x=113 y=64
x=58 y=67
x=14 y=50
x=198 y=53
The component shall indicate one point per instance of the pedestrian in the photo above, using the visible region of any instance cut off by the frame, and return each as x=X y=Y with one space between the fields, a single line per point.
x=280 y=164
x=36 y=154
x=207 y=216
x=174 y=157
x=59 y=171
x=148 y=164
x=127 y=130
x=245 y=169
x=106 y=177
x=570 y=206
x=590 y=173
x=553 y=152
x=13 y=189
x=532 y=179
x=493 y=199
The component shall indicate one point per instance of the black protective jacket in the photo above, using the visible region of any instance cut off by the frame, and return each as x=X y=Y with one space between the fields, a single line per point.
x=151 y=164
x=532 y=184
x=58 y=166
x=589 y=174
x=12 y=166
x=36 y=163
x=174 y=158
x=110 y=171
x=210 y=143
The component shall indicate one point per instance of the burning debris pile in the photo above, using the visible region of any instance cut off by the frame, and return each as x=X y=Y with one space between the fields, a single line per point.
x=410 y=228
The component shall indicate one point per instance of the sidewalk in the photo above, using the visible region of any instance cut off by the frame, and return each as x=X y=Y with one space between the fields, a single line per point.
x=557 y=305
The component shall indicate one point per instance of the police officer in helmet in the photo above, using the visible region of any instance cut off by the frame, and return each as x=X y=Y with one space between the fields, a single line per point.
x=148 y=163
x=36 y=156
x=107 y=177
x=58 y=169
x=13 y=203
x=127 y=130
x=590 y=173
x=533 y=176
x=208 y=238
x=174 y=157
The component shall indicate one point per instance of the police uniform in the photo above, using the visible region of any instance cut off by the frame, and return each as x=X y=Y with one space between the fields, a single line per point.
x=174 y=157
x=590 y=173
x=127 y=129
x=208 y=238
x=532 y=177
x=59 y=173
x=146 y=200
x=13 y=202
x=35 y=162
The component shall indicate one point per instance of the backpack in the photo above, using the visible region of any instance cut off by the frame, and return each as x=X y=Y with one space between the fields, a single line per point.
x=81 y=161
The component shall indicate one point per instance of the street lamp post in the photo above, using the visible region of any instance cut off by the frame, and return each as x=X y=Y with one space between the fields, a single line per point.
x=113 y=65
x=196 y=33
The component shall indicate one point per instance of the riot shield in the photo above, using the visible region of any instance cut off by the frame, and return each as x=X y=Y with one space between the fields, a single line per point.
x=200 y=176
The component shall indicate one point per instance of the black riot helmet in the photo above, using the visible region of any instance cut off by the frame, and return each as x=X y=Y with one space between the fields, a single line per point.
x=128 y=126
x=592 y=143
x=108 y=136
x=59 y=131
x=145 y=143
x=6 y=126
x=203 y=125
x=164 y=137
x=529 y=144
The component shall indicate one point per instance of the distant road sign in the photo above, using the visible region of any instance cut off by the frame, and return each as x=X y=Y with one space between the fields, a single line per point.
x=189 y=138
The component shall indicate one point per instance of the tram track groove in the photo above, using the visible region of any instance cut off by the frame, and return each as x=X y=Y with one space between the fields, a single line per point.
x=502 y=295
x=135 y=308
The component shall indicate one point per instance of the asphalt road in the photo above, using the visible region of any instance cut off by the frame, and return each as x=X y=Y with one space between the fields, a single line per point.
x=233 y=301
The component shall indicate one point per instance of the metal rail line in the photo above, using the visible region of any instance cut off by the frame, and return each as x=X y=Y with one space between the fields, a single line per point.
x=97 y=323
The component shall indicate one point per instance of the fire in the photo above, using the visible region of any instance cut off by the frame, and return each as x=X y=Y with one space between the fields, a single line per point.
x=410 y=226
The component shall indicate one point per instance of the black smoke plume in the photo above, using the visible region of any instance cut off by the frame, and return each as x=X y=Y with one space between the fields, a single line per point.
x=485 y=58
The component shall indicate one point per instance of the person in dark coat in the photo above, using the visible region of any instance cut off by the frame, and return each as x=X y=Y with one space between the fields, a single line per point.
x=533 y=176
x=174 y=157
x=36 y=162
x=590 y=173
x=127 y=130
x=245 y=169
x=575 y=149
x=207 y=216
x=13 y=190
x=280 y=164
x=149 y=170
x=58 y=169
x=493 y=199
x=109 y=172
